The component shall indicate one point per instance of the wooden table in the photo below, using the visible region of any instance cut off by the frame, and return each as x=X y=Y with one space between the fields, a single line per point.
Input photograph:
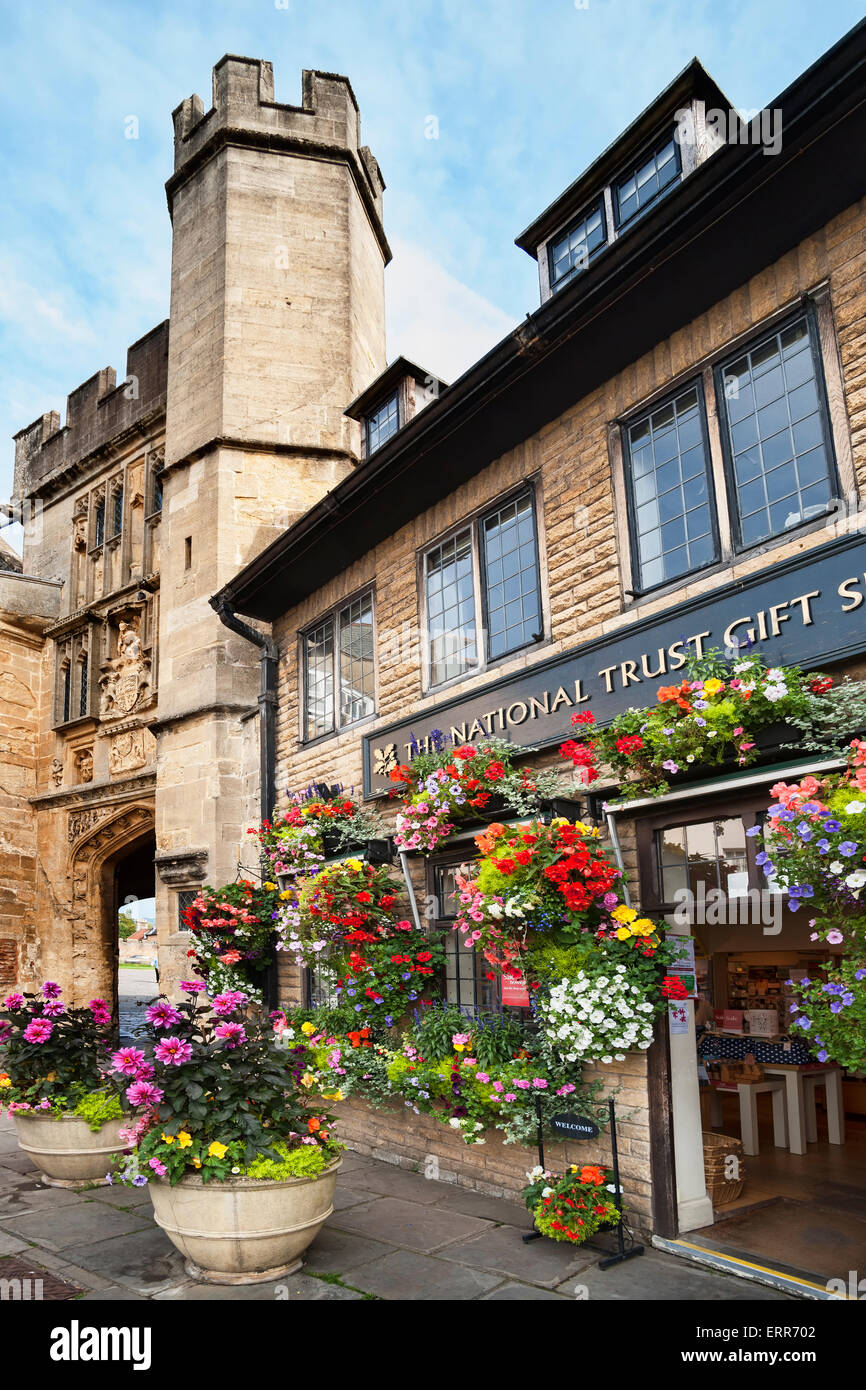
x=803 y=1130
x=748 y=1092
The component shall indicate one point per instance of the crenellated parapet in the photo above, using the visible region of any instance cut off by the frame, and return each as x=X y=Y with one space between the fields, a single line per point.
x=327 y=124
x=99 y=412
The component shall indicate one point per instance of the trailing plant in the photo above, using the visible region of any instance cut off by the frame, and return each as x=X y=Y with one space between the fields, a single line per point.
x=712 y=716
x=831 y=1013
x=232 y=935
x=446 y=786
x=329 y=907
x=290 y=839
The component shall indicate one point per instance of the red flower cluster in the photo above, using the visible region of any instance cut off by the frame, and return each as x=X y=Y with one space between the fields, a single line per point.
x=673 y=988
x=582 y=755
x=629 y=743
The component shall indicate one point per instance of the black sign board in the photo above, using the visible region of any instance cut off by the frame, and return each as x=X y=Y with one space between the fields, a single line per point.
x=801 y=612
x=574 y=1126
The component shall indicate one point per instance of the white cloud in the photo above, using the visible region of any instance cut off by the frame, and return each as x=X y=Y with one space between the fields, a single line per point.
x=433 y=318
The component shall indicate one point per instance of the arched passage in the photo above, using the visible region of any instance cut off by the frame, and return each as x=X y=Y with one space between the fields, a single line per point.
x=114 y=861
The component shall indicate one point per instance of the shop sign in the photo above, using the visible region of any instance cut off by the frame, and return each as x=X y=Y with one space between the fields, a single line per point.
x=515 y=995
x=801 y=612
x=574 y=1126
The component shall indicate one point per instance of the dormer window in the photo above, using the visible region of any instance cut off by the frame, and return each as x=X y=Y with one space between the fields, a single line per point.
x=384 y=422
x=647 y=182
x=573 y=251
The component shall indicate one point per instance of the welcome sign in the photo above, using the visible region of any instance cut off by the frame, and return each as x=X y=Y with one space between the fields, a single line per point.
x=802 y=612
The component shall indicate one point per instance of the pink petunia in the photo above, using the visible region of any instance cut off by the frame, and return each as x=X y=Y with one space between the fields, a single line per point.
x=159 y=1168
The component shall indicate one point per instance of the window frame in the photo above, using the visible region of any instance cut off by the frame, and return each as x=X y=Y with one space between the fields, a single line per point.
x=650 y=150
x=638 y=587
x=598 y=205
x=474 y=524
x=332 y=615
x=803 y=311
x=368 y=419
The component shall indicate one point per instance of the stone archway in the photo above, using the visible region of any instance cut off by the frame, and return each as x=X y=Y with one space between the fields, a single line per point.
x=93 y=915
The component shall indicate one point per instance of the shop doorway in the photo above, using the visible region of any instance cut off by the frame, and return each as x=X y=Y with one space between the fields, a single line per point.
x=784 y=1135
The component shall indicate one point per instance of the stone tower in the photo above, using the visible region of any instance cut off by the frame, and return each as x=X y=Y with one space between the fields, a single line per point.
x=277 y=322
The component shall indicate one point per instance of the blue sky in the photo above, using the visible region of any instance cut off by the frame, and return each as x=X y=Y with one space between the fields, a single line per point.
x=526 y=93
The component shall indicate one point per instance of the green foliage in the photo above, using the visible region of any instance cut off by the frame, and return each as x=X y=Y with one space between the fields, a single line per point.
x=833 y=1013
x=305 y=1161
x=126 y=926
x=98 y=1108
x=497 y=1037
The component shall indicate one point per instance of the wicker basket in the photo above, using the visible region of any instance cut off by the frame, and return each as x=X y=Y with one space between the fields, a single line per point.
x=718 y=1149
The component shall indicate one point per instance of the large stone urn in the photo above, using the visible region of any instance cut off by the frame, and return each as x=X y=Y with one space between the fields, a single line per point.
x=65 y=1148
x=243 y=1230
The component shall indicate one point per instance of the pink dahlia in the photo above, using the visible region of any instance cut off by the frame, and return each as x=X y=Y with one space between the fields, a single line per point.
x=233 y=1033
x=13 y=1001
x=142 y=1093
x=162 y=1014
x=50 y=990
x=192 y=986
x=229 y=1002
x=127 y=1061
x=39 y=1031
x=172 y=1052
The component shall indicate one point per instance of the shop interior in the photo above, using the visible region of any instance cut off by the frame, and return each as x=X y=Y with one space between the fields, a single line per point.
x=795 y=1197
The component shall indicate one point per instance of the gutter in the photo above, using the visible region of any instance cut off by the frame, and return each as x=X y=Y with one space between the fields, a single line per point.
x=221 y=603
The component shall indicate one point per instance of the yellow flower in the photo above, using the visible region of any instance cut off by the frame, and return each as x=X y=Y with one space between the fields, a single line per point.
x=623 y=914
x=459 y=1047
x=308 y=1028
x=308 y=1079
x=712 y=687
x=270 y=887
x=196 y=1163
x=217 y=1150
x=353 y=864
x=561 y=820
x=184 y=1139
x=333 y=1095
x=5 y=1079
x=287 y=893
x=623 y=934
x=586 y=830
x=643 y=927
x=168 y=1138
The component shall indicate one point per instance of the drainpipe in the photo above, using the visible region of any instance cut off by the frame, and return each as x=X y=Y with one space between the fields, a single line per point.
x=221 y=603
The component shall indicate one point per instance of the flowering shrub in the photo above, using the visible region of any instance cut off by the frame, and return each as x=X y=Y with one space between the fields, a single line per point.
x=221 y=1094
x=56 y=1057
x=712 y=716
x=597 y=1018
x=832 y=1014
x=451 y=785
x=571 y=1207
x=232 y=933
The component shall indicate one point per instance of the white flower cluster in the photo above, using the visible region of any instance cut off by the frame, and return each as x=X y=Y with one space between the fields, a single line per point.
x=598 y=1019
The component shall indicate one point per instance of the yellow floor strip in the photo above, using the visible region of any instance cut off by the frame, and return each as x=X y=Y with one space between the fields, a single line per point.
x=716 y=1256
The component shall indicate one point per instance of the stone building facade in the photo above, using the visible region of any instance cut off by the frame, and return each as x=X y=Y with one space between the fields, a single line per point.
x=125 y=702
x=738 y=256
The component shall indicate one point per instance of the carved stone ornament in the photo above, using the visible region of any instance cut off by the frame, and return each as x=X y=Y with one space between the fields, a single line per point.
x=82 y=821
x=125 y=681
x=84 y=764
x=79 y=524
x=127 y=751
x=56 y=773
x=181 y=866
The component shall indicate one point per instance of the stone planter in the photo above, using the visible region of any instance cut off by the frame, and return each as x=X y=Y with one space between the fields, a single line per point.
x=243 y=1230
x=68 y=1152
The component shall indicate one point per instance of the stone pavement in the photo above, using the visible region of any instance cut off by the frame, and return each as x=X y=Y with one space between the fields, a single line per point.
x=394 y=1235
x=136 y=986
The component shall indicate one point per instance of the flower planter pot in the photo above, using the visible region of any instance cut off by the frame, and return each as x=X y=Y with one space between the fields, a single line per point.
x=243 y=1230
x=66 y=1150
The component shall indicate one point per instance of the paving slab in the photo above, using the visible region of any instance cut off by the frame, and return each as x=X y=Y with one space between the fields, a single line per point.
x=496 y=1209
x=389 y=1181
x=501 y=1248
x=145 y=1260
x=9 y=1178
x=296 y=1287
x=408 y=1276
x=113 y=1293
x=514 y=1293
x=661 y=1278
x=29 y=1195
x=336 y=1252
x=10 y=1245
x=60 y=1228
x=118 y=1196
x=19 y=1162
x=57 y=1263
x=407 y=1223
x=345 y=1197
